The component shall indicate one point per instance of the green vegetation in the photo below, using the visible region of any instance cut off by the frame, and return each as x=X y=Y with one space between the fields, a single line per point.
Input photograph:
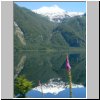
x=22 y=86
x=41 y=46
x=41 y=34
x=73 y=31
x=46 y=65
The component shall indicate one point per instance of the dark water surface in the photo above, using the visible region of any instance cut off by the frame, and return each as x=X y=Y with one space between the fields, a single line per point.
x=45 y=65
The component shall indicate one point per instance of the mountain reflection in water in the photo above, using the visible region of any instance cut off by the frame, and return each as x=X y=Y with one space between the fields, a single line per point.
x=57 y=89
x=44 y=66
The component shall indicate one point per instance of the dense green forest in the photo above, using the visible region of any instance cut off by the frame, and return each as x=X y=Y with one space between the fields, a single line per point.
x=35 y=32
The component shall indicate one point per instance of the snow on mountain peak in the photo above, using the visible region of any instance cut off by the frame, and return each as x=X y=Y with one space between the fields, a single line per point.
x=55 y=13
x=72 y=14
x=51 y=9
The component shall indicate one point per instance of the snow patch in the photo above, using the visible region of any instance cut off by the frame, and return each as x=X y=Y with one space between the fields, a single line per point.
x=72 y=14
x=55 y=13
x=47 y=10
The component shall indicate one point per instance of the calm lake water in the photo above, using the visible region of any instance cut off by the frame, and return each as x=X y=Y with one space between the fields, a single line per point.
x=76 y=93
x=43 y=66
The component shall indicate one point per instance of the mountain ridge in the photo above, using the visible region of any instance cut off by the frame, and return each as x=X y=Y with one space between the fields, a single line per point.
x=55 y=12
x=42 y=34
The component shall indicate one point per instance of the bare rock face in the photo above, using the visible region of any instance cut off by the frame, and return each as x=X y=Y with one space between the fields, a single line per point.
x=19 y=34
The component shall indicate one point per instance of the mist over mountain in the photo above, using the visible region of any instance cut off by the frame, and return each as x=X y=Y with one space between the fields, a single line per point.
x=62 y=31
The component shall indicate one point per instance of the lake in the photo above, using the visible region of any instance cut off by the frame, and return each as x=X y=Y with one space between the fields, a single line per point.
x=77 y=93
x=45 y=66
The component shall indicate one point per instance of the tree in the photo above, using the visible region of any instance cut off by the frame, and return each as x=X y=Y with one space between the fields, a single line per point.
x=22 y=85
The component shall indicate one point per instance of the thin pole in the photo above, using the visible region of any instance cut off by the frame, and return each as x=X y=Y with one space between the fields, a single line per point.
x=70 y=83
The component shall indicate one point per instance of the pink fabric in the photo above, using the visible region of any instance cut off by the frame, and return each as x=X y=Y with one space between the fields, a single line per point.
x=68 y=67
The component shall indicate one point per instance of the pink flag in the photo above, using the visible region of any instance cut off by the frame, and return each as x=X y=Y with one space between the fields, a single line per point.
x=68 y=67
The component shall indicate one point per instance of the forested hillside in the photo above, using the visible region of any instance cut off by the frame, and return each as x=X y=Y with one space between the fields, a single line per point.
x=39 y=33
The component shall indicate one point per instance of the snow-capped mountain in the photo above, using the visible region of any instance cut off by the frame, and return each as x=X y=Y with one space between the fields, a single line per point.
x=55 y=13
x=72 y=14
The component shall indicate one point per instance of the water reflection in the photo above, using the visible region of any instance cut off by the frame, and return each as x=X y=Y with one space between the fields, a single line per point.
x=44 y=66
x=20 y=66
x=55 y=88
x=78 y=93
